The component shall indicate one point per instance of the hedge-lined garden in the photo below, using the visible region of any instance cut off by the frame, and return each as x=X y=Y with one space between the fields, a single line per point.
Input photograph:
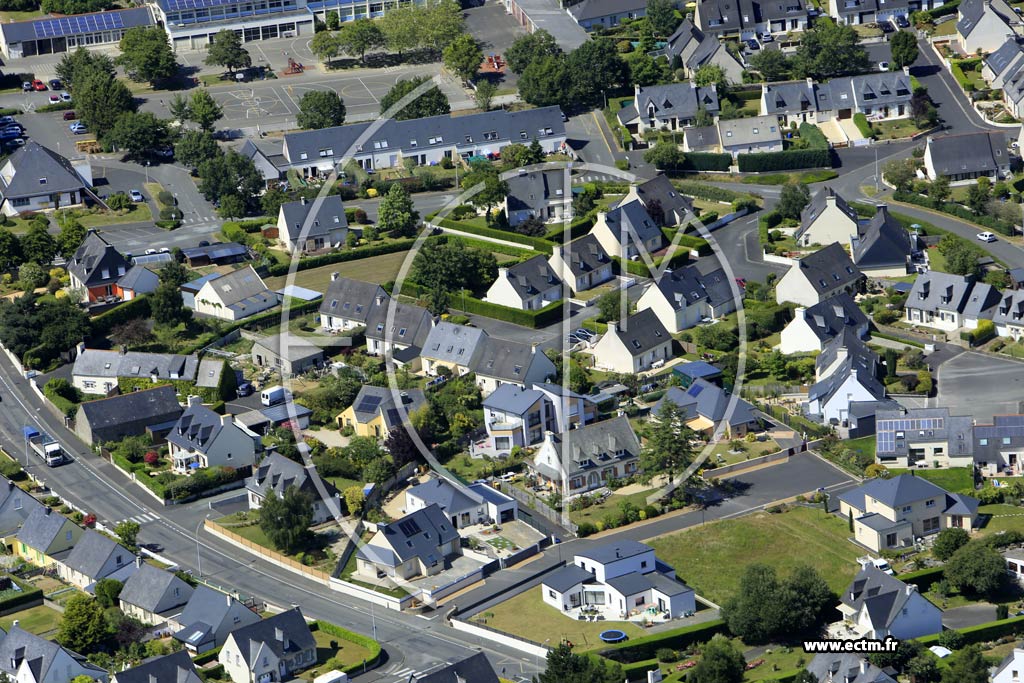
x=788 y=160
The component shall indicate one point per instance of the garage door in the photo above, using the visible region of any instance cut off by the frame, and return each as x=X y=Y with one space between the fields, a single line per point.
x=845 y=113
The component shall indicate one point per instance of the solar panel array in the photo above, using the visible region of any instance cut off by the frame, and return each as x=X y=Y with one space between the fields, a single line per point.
x=409 y=527
x=71 y=26
x=174 y=5
x=887 y=429
x=369 y=404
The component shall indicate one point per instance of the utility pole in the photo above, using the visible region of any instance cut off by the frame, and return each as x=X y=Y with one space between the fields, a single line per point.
x=876 y=170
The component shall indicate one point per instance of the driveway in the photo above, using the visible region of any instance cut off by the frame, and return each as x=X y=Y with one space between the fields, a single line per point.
x=496 y=30
x=980 y=385
x=969 y=615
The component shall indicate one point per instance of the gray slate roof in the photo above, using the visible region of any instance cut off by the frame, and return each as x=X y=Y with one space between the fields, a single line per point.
x=507 y=360
x=676 y=100
x=595 y=9
x=290 y=625
x=277 y=473
x=904 y=490
x=584 y=255
x=92 y=551
x=155 y=406
x=289 y=346
x=113 y=364
x=1005 y=56
x=970 y=13
x=210 y=371
x=196 y=429
x=533 y=276
x=350 y=299
x=474 y=669
x=95 y=257
x=509 y=398
x=883 y=595
x=724 y=16
x=827 y=388
x=709 y=401
x=19 y=645
x=617 y=550
x=687 y=286
x=828 y=268
x=819 y=202
x=15 y=506
x=597 y=443
x=968 y=152
x=847 y=667
x=372 y=401
x=140 y=280
x=330 y=215
x=749 y=131
x=41 y=528
x=565 y=578
x=830 y=317
x=408 y=536
x=33 y=163
x=152 y=589
x=956 y=430
x=411 y=323
x=630 y=218
x=940 y=291
x=534 y=190
x=673 y=203
x=242 y=288
x=988 y=438
x=847 y=340
x=172 y=668
x=705 y=136
x=452 y=343
x=206 y=611
x=701 y=53
x=449 y=497
x=881 y=242
x=642 y=332
x=216 y=251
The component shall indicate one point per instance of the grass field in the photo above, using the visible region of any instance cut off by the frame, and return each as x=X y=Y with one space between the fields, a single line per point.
x=891 y=130
x=346 y=653
x=865 y=444
x=374 y=269
x=954 y=479
x=713 y=557
x=611 y=504
x=138 y=213
x=39 y=620
x=1002 y=518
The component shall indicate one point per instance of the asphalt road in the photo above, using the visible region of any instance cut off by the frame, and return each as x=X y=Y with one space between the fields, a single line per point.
x=980 y=385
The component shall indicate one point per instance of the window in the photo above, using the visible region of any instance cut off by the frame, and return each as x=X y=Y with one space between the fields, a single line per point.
x=522 y=135
x=643 y=565
x=930 y=504
x=327 y=152
x=303 y=155
x=67 y=535
x=756 y=131
x=890 y=540
x=1006 y=441
x=469 y=138
x=412 y=143
x=42 y=181
x=906 y=509
x=982 y=442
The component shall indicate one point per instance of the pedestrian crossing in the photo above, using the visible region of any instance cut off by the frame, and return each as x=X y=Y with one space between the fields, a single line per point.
x=141 y=519
x=396 y=673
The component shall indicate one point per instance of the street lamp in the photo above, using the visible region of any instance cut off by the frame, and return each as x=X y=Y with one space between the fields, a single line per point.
x=147 y=172
x=373 y=621
x=199 y=559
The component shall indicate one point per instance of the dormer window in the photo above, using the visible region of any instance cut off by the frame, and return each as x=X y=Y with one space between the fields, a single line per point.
x=42 y=181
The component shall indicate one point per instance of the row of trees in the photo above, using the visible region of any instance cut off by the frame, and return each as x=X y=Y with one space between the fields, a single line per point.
x=549 y=76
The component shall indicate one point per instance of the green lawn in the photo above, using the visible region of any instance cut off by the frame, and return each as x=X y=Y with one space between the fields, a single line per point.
x=138 y=213
x=9 y=16
x=937 y=261
x=954 y=479
x=712 y=558
x=344 y=653
x=373 y=269
x=865 y=444
x=39 y=620
x=898 y=128
x=749 y=451
x=946 y=28
x=611 y=504
x=1002 y=518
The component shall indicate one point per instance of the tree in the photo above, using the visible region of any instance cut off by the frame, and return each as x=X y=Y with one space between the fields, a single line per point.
x=431 y=102
x=131 y=332
x=665 y=156
x=379 y=470
x=137 y=134
x=609 y=306
x=232 y=206
x=194 y=147
x=593 y=67
x=485 y=91
x=146 y=54
x=793 y=199
x=711 y=74
x=564 y=666
x=286 y=520
x=961 y=256
x=401 y=446
x=128 y=532
x=808 y=600
x=326 y=46
x=440 y=24
x=646 y=70
x=106 y=591
x=74 y=64
x=977 y=197
x=204 y=110
x=976 y=568
x=226 y=50
x=546 y=81
x=494 y=189
x=900 y=172
x=74 y=6
x=969 y=666
x=83 y=627
x=829 y=49
x=358 y=36
x=904 y=49
x=71 y=236
x=37 y=245
x=529 y=48
x=772 y=64
x=401 y=29
x=32 y=275
x=939 y=189
x=354 y=500
x=755 y=612
x=668 y=448
x=100 y=99
x=948 y=542
x=179 y=108
x=396 y=215
x=230 y=174
x=463 y=57
x=720 y=662
x=661 y=17
x=10 y=250
x=923 y=669
x=320 y=109
x=805 y=676
x=167 y=307
x=451 y=265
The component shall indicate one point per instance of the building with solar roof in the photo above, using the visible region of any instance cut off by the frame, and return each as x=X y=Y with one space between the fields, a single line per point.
x=415 y=545
x=931 y=437
x=64 y=34
x=193 y=23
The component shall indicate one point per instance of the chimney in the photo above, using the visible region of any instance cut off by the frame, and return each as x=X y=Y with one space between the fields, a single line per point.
x=80 y=348
x=557 y=251
x=618 y=555
x=303 y=201
x=380 y=299
x=15 y=622
x=502 y=272
x=863 y=666
x=334 y=276
x=906 y=70
x=911 y=587
x=798 y=313
x=10 y=485
x=122 y=349
x=613 y=326
x=48 y=510
x=227 y=419
x=195 y=401
x=227 y=599
x=152 y=678
x=636 y=95
x=138 y=561
x=279 y=634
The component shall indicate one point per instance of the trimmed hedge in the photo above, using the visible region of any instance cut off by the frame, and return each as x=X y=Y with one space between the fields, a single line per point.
x=946 y=9
x=923 y=579
x=709 y=192
x=369 y=643
x=958 y=67
x=129 y=310
x=539 y=245
x=343 y=256
x=986 y=330
x=646 y=647
x=542 y=317
x=813 y=136
x=59 y=106
x=206 y=657
x=707 y=161
x=954 y=209
x=982 y=632
x=789 y=160
x=28 y=594
x=898 y=340
x=861 y=121
x=579 y=227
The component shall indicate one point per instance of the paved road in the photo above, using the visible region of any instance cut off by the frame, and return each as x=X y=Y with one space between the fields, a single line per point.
x=980 y=385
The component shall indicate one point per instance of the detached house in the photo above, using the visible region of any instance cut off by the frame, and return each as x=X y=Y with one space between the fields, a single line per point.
x=152 y=595
x=581 y=264
x=111 y=419
x=538 y=194
x=638 y=343
x=754 y=135
x=927 y=437
x=707 y=406
x=948 y=302
x=289 y=354
x=28 y=658
x=375 y=410
x=984 y=25
x=665 y=204
x=46 y=537
x=999 y=445
x=964 y=158
x=847 y=668
x=515 y=416
x=882 y=247
x=96 y=557
x=476 y=668
x=397 y=328
x=1008 y=315
x=415 y=545
x=684 y=297
x=97 y=371
x=586 y=458
x=891 y=513
x=847 y=375
x=696 y=48
x=274 y=649
x=172 y=668
x=880 y=606
x=827 y=219
x=812 y=327
x=35 y=178
x=869 y=11
x=463 y=505
x=627 y=231
x=208 y=618
x=504 y=362
x=819 y=276
x=277 y=474
x=667 y=107
x=235 y=296
x=1009 y=669
x=748 y=19
x=347 y=303
x=95 y=268
x=305 y=226
x=527 y=286
x=201 y=438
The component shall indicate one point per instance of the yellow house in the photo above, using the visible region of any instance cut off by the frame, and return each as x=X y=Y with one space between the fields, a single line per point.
x=375 y=411
x=45 y=535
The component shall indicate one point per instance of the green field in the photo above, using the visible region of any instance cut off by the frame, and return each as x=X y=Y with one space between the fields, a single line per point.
x=954 y=479
x=374 y=269
x=1002 y=518
x=344 y=653
x=611 y=504
x=713 y=557
x=39 y=620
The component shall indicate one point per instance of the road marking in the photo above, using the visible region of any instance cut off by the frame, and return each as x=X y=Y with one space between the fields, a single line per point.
x=368 y=90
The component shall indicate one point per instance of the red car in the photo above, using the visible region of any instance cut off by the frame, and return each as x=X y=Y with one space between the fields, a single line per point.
x=741 y=282
x=38 y=85
x=70 y=116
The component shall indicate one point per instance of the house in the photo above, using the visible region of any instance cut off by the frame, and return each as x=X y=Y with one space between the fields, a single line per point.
x=846 y=345
x=95 y=268
x=664 y=203
x=96 y=557
x=1008 y=670
x=538 y=194
x=707 y=406
x=581 y=264
x=683 y=298
x=621 y=578
x=376 y=410
x=426 y=141
x=924 y=437
x=1008 y=314
x=190 y=289
x=871 y=11
x=112 y=419
x=882 y=95
x=46 y=537
x=503 y=362
x=451 y=346
x=826 y=219
x=568 y=408
x=984 y=25
x=696 y=48
x=813 y=326
x=212 y=375
x=748 y=19
x=946 y=302
x=305 y=226
x=999 y=445
x=137 y=281
x=852 y=377
x=35 y=178
x=638 y=343
x=277 y=473
x=273 y=649
x=347 y=303
x=891 y=513
x=526 y=286
x=754 y=135
x=235 y=296
x=819 y=276
x=1001 y=66
x=805 y=101
x=882 y=247
x=208 y=618
x=152 y=595
x=266 y=156
x=499 y=507
x=596 y=14
x=97 y=371
x=476 y=668
x=596 y=453
x=966 y=157
x=880 y=606
x=478 y=503
x=287 y=353
x=16 y=505
x=396 y=328
x=172 y=668
x=702 y=139
x=516 y=416
x=216 y=254
x=690 y=371
x=418 y=544
x=28 y=658
x=627 y=231
x=847 y=668
x=667 y=107
x=201 y=438
x=291 y=414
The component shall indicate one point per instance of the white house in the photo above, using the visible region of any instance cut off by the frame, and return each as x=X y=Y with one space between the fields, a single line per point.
x=819 y=276
x=753 y=135
x=397 y=328
x=96 y=557
x=830 y=399
x=305 y=226
x=527 y=286
x=35 y=178
x=683 y=298
x=276 y=474
x=983 y=25
x=538 y=194
x=966 y=157
x=582 y=264
x=1008 y=315
x=627 y=230
x=1009 y=670
x=464 y=505
x=347 y=303
x=502 y=361
x=667 y=107
x=152 y=594
x=586 y=458
x=812 y=327
x=28 y=658
x=638 y=343
x=201 y=438
x=828 y=218
x=451 y=346
x=923 y=437
x=846 y=668
x=97 y=371
x=949 y=302
x=516 y=416
x=879 y=606
x=419 y=544
x=271 y=650
x=234 y=296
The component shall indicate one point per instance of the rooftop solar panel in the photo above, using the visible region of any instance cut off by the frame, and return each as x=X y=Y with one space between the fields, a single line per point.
x=76 y=25
x=368 y=404
x=695 y=389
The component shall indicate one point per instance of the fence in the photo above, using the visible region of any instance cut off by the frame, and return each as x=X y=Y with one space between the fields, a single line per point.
x=921 y=337
x=538 y=506
x=726 y=470
x=267 y=554
x=488 y=634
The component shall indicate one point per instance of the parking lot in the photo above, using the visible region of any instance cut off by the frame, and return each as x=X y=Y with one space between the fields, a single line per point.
x=980 y=385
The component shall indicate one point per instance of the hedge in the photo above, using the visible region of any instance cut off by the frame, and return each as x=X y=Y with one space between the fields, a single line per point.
x=789 y=160
x=343 y=256
x=946 y=9
x=813 y=136
x=646 y=647
x=861 y=121
x=709 y=192
x=900 y=340
x=69 y=408
x=924 y=578
x=707 y=161
x=129 y=310
x=28 y=593
x=249 y=226
x=986 y=330
x=183 y=387
x=542 y=317
x=369 y=643
x=538 y=244
x=954 y=209
x=206 y=657
x=766 y=223
x=9 y=111
x=59 y=106
x=991 y=630
x=577 y=228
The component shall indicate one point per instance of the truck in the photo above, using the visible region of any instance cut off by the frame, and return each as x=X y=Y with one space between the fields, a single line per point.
x=271 y=396
x=45 y=446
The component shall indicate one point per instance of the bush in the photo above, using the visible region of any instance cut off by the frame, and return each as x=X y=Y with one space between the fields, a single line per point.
x=709 y=192
x=28 y=595
x=785 y=161
x=951 y=639
x=706 y=161
x=667 y=655
x=165 y=198
x=586 y=529
x=646 y=647
x=861 y=121
x=813 y=136
x=170 y=213
x=538 y=244
x=954 y=209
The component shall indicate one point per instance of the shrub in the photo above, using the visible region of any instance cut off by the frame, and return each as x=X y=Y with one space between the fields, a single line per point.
x=951 y=639
x=667 y=655
x=586 y=529
x=785 y=161
x=861 y=121
x=706 y=161
x=170 y=213
x=813 y=136
x=165 y=198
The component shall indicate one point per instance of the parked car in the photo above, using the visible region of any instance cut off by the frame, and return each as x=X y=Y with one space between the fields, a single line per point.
x=38 y=85
x=151 y=252
x=15 y=142
x=887 y=27
x=6 y=120
x=753 y=45
x=65 y=97
x=26 y=86
x=54 y=98
x=78 y=128
x=56 y=84
x=204 y=243
x=766 y=37
x=883 y=66
x=986 y=237
x=136 y=196
x=901 y=21
x=245 y=389
x=9 y=133
x=165 y=250
x=584 y=333
x=70 y=116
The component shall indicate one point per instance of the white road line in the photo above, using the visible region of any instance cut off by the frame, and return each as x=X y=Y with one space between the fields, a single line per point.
x=368 y=90
x=289 y=96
